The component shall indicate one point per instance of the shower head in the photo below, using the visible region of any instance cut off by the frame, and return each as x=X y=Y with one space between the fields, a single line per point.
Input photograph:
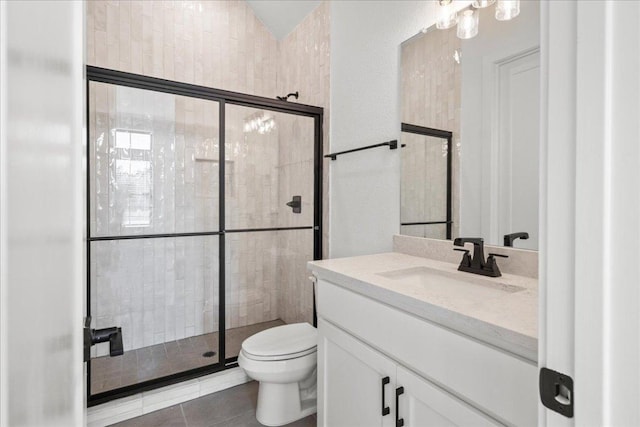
x=286 y=98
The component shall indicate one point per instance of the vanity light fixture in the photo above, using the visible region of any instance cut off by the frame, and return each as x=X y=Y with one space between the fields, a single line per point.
x=468 y=24
x=447 y=16
x=468 y=19
x=507 y=9
x=481 y=4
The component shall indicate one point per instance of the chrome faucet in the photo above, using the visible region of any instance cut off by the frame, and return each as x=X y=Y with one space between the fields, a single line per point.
x=477 y=263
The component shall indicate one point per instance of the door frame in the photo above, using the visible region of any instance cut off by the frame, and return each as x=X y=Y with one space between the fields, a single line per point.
x=41 y=213
x=589 y=321
x=222 y=97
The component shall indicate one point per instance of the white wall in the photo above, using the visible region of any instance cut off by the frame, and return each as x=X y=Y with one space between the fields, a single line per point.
x=365 y=109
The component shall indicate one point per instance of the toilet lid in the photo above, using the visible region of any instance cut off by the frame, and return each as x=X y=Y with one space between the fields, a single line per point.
x=281 y=341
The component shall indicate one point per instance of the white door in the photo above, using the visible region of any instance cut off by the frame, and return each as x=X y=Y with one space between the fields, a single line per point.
x=590 y=208
x=422 y=404
x=516 y=148
x=351 y=382
x=41 y=214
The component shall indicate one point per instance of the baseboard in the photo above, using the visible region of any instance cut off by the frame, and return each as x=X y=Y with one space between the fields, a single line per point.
x=153 y=400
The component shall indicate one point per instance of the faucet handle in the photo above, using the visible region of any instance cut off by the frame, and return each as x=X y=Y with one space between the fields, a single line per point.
x=499 y=255
x=460 y=241
x=466 y=258
x=492 y=265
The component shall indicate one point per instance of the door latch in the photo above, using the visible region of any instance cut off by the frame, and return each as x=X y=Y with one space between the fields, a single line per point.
x=556 y=392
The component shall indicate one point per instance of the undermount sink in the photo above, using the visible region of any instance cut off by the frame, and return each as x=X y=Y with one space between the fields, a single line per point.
x=446 y=283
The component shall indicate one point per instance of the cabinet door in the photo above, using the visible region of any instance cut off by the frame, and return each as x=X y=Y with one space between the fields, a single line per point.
x=350 y=385
x=423 y=405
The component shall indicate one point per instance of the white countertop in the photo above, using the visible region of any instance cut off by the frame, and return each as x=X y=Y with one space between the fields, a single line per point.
x=507 y=320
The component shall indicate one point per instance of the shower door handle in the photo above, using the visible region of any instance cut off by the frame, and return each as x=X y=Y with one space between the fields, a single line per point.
x=296 y=204
x=95 y=336
x=86 y=330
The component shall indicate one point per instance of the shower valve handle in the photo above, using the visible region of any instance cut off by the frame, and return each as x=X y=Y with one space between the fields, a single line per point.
x=296 y=204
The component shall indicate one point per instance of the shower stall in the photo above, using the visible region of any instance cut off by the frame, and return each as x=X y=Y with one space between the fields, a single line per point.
x=203 y=207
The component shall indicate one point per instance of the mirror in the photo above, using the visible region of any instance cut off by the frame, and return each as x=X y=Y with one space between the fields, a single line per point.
x=484 y=91
x=426 y=178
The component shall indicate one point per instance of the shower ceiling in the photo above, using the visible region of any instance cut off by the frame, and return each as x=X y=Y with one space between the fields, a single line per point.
x=282 y=16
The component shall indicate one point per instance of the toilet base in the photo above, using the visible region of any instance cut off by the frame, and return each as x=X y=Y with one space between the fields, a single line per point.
x=280 y=404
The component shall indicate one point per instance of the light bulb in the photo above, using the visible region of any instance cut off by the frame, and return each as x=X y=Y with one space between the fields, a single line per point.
x=447 y=16
x=480 y=4
x=468 y=24
x=507 y=9
x=456 y=56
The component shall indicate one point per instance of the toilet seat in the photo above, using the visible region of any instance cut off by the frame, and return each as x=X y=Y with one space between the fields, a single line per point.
x=281 y=343
x=281 y=356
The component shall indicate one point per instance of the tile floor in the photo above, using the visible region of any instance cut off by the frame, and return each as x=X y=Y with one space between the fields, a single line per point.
x=234 y=407
x=108 y=373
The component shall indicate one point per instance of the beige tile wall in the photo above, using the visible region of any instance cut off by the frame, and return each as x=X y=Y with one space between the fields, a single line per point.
x=251 y=198
x=251 y=289
x=304 y=66
x=423 y=195
x=219 y=44
x=252 y=189
x=295 y=172
x=430 y=94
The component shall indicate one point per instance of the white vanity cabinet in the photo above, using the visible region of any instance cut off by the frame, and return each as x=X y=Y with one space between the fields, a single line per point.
x=424 y=404
x=360 y=387
x=353 y=381
x=441 y=378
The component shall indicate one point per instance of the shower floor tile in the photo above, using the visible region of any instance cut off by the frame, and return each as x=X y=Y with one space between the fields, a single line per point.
x=147 y=363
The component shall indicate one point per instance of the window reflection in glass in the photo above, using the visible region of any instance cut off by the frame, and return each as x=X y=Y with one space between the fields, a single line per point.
x=134 y=176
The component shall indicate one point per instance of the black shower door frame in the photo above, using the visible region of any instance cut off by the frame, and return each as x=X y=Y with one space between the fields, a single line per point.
x=222 y=97
x=444 y=134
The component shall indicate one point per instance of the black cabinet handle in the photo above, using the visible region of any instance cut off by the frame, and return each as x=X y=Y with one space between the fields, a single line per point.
x=385 y=409
x=399 y=421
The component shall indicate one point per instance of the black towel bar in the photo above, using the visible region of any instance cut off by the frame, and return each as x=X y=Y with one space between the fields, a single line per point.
x=391 y=144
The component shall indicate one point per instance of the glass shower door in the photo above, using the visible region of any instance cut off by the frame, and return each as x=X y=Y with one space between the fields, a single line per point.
x=153 y=233
x=269 y=221
x=201 y=217
x=425 y=190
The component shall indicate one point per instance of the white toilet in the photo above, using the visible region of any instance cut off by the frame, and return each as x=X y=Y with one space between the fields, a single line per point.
x=283 y=359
